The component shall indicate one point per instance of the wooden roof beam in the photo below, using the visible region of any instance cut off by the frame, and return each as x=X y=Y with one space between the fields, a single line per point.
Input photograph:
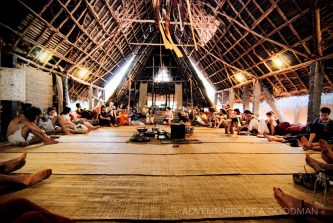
x=295 y=67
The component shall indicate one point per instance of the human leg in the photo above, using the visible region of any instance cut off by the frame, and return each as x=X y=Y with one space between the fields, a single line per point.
x=26 y=180
x=13 y=164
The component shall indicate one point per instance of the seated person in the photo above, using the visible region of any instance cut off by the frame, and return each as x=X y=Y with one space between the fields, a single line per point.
x=74 y=126
x=52 y=123
x=299 y=208
x=103 y=118
x=123 y=116
x=235 y=126
x=113 y=114
x=253 y=124
x=198 y=121
x=27 y=180
x=212 y=120
x=221 y=118
x=232 y=121
x=204 y=117
x=168 y=116
x=245 y=120
x=144 y=111
x=271 y=122
x=184 y=119
x=321 y=128
x=150 y=115
x=20 y=210
x=134 y=117
x=98 y=108
x=82 y=113
x=23 y=127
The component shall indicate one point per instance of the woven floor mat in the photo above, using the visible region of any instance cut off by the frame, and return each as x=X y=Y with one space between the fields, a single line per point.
x=161 y=198
x=182 y=164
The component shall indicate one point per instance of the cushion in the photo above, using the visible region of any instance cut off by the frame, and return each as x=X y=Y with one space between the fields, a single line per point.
x=295 y=129
x=281 y=128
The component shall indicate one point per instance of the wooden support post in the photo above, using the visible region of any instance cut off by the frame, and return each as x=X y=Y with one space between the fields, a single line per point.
x=65 y=90
x=95 y=100
x=142 y=96
x=129 y=93
x=231 y=98
x=153 y=88
x=179 y=96
x=215 y=99
x=103 y=95
x=90 y=97
x=246 y=98
x=271 y=102
x=316 y=75
x=256 y=97
x=315 y=90
x=134 y=105
x=224 y=98
x=191 y=91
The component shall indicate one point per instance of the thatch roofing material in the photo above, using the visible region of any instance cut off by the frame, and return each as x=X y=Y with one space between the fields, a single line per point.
x=233 y=36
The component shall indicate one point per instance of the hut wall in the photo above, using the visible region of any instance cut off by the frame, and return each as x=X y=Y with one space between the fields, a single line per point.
x=26 y=84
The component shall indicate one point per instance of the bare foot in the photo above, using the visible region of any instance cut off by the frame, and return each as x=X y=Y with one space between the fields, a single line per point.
x=50 y=141
x=290 y=204
x=304 y=147
x=267 y=137
x=36 y=177
x=326 y=151
x=67 y=133
x=15 y=164
x=306 y=143
x=314 y=163
x=22 y=157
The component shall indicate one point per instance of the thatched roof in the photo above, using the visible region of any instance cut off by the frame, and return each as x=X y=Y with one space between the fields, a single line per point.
x=239 y=36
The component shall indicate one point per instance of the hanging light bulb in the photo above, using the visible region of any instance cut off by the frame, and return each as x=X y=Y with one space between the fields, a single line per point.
x=83 y=72
x=44 y=56
x=280 y=61
x=240 y=77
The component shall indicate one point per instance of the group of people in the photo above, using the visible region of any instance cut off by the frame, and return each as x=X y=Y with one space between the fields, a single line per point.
x=31 y=125
x=232 y=120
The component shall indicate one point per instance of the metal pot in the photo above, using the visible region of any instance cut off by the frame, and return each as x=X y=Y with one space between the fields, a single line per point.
x=155 y=129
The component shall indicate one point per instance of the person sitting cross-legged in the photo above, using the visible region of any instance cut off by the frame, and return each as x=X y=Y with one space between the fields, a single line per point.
x=22 y=129
x=321 y=128
x=150 y=116
x=168 y=116
x=103 y=117
x=52 y=123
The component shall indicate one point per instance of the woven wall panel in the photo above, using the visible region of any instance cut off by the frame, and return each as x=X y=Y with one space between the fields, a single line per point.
x=39 y=90
x=12 y=84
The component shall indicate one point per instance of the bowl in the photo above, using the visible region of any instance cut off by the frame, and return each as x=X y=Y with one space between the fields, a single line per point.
x=142 y=129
